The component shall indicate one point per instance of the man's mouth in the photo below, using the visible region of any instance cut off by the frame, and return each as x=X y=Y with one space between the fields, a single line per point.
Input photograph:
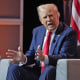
x=50 y=24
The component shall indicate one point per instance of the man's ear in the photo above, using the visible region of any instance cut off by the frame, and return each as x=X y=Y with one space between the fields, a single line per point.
x=58 y=14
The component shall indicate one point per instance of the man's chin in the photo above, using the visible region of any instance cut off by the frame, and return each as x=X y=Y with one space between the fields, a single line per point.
x=51 y=29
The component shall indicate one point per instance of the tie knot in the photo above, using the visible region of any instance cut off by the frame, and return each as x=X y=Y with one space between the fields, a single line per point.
x=49 y=32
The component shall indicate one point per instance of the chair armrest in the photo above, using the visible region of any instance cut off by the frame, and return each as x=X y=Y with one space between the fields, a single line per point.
x=4 y=64
x=68 y=69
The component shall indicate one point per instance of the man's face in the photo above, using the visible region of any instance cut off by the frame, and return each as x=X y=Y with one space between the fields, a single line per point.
x=49 y=18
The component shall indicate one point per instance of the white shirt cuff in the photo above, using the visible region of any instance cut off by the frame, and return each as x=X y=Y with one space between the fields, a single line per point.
x=46 y=60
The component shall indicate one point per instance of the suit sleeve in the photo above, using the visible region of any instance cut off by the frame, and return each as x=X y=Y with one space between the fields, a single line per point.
x=31 y=52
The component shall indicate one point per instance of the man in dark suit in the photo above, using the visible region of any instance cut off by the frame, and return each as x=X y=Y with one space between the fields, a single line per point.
x=63 y=44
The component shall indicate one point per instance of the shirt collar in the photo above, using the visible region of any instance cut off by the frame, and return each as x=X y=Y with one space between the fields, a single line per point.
x=53 y=32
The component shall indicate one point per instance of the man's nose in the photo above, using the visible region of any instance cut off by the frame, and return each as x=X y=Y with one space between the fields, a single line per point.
x=48 y=18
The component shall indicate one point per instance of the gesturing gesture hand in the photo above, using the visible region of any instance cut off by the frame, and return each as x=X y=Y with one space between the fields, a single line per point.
x=39 y=54
x=16 y=56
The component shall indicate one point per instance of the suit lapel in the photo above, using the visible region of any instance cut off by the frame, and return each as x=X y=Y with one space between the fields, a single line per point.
x=54 y=43
x=56 y=38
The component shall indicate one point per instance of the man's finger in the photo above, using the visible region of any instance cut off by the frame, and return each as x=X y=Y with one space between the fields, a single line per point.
x=9 y=54
x=37 y=58
x=12 y=51
x=38 y=54
x=19 y=52
x=38 y=48
x=19 y=48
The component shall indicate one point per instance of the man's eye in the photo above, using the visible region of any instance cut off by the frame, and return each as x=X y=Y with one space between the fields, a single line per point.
x=50 y=15
x=45 y=17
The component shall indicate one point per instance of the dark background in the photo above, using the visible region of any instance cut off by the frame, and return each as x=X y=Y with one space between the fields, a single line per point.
x=31 y=19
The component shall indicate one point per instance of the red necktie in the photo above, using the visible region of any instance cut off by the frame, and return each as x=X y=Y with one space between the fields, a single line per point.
x=46 y=48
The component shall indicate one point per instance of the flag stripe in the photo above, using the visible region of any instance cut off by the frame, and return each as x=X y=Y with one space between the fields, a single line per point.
x=77 y=6
x=74 y=26
x=75 y=16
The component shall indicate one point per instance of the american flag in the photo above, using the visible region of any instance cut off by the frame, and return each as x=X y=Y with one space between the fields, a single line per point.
x=75 y=18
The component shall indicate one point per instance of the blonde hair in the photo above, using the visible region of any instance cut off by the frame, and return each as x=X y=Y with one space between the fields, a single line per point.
x=47 y=6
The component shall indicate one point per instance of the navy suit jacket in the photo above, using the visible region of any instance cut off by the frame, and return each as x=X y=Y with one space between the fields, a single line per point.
x=63 y=46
